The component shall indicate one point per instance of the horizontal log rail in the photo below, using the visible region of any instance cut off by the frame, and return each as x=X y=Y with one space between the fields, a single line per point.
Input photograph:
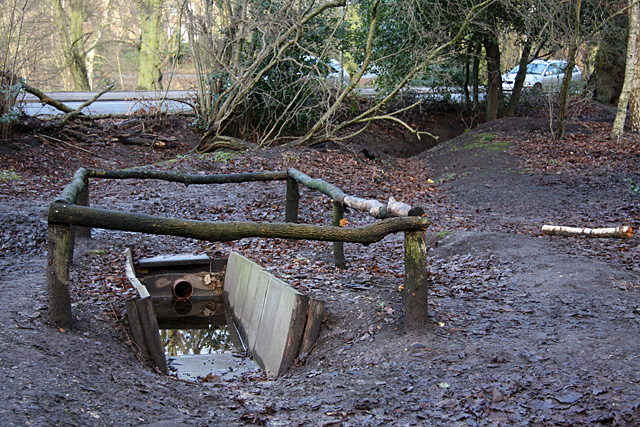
x=231 y=178
x=72 y=191
x=375 y=208
x=60 y=213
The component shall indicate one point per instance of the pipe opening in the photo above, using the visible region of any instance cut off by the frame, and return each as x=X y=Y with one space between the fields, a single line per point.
x=182 y=289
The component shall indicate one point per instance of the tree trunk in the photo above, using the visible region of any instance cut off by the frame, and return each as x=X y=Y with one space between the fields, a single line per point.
x=467 y=82
x=149 y=67
x=625 y=94
x=517 y=86
x=634 y=102
x=72 y=36
x=494 y=78
x=566 y=81
x=607 y=77
x=476 y=77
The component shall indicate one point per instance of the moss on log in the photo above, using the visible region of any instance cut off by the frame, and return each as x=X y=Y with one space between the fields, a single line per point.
x=75 y=188
x=317 y=184
x=60 y=213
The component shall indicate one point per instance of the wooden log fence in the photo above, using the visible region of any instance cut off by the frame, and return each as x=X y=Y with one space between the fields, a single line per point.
x=70 y=214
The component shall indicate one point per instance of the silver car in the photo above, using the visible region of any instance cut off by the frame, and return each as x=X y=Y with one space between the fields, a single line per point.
x=541 y=74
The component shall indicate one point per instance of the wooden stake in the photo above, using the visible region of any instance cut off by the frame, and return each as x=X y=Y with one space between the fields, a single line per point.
x=416 y=289
x=83 y=200
x=293 y=199
x=338 y=247
x=60 y=251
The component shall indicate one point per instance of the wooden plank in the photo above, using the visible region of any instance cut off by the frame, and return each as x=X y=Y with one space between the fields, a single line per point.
x=268 y=319
x=247 y=280
x=297 y=320
x=151 y=333
x=174 y=260
x=231 y=279
x=247 y=269
x=252 y=312
x=136 y=327
x=312 y=328
x=281 y=327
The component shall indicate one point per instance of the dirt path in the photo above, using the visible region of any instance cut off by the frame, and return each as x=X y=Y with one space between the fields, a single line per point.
x=524 y=329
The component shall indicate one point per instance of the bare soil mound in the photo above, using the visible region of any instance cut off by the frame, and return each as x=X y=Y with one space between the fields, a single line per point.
x=524 y=329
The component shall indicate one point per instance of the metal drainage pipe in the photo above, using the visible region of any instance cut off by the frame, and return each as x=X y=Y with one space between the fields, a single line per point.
x=182 y=289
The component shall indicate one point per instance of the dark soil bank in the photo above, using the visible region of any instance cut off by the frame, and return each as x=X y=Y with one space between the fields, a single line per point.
x=523 y=329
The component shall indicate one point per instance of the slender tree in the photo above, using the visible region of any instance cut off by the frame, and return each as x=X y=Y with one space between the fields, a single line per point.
x=631 y=65
x=151 y=38
x=571 y=63
x=72 y=41
x=634 y=101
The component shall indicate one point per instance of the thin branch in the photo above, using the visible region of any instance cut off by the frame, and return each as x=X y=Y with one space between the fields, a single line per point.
x=78 y=111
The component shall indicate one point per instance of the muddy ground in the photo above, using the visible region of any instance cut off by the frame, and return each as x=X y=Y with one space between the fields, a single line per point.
x=523 y=329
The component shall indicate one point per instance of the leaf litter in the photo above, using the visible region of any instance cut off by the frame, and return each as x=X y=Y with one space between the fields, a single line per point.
x=524 y=329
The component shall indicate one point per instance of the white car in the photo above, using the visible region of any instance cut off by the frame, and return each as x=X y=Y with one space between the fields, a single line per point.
x=331 y=70
x=337 y=72
x=541 y=74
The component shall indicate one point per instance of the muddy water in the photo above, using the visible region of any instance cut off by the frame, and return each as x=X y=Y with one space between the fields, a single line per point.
x=199 y=343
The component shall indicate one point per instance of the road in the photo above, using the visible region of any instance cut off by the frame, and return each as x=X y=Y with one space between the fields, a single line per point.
x=174 y=100
x=111 y=102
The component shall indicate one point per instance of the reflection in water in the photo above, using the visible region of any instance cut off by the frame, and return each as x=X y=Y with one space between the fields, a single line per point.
x=180 y=342
x=197 y=340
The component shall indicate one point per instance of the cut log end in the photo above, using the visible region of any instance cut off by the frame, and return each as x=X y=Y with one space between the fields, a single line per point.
x=416 y=211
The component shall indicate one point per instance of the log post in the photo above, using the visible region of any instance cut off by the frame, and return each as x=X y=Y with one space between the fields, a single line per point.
x=416 y=289
x=60 y=248
x=293 y=199
x=338 y=247
x=83 y=200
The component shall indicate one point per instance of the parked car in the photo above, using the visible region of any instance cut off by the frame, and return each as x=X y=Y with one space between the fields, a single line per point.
x=541 y=74
x=330 y=69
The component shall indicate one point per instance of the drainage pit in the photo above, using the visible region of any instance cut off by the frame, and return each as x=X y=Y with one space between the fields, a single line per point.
x=198 y=343
x=198 y=318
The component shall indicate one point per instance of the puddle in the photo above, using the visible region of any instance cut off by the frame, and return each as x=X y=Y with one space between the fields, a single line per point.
x=198 y=342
